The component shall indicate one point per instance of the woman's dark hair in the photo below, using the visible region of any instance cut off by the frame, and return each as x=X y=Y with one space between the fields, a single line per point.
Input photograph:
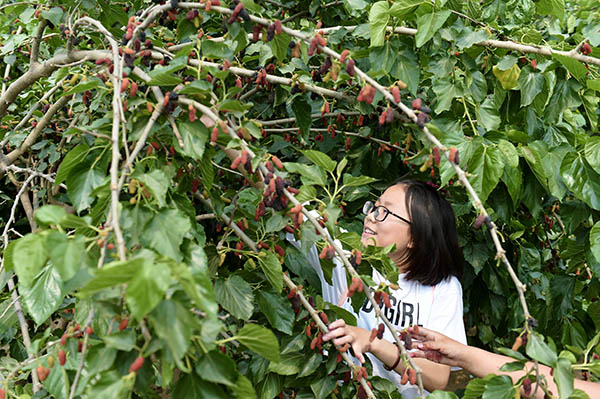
x=434 y=254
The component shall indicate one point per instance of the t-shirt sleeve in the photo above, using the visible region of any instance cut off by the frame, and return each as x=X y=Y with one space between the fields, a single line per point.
x=447 y=310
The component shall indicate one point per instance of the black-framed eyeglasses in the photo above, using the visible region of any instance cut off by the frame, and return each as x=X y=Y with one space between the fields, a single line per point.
x=381 y=212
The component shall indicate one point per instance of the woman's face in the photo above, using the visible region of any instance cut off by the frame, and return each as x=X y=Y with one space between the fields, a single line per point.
x=392 y=230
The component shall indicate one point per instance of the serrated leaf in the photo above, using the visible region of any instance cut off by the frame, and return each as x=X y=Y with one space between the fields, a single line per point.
x=146 y=288
x=157 y=184
x=110 y=275
x=235 y=295
x=378 y=20
x=487 y=166
x=277 y=310
x=44 y=296
x=50 y=214
x=271 y=267
x=402 y=7
x=429 y=24
x=353 y=181
x=92 y=83
x=537 y=349
x=28 y=258
x=321 y=159
x=531 y=83
x=66 y=254
x=70 y=161
x=260 y=340
x=164 y=232
x=218 y=368
x=508 y=78
x=581 y=179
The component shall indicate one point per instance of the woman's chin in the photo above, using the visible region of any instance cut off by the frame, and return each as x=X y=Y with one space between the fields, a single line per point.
x=368 y=240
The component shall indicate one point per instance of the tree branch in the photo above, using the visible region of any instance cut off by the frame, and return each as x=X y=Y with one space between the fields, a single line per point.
x=35 y=45
x=313 y=313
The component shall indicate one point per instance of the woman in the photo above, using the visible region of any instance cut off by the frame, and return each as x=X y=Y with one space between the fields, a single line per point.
x=439 y=348
x=413 y=216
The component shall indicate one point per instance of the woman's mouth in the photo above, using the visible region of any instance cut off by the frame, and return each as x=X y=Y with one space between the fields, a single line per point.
x=368 y=231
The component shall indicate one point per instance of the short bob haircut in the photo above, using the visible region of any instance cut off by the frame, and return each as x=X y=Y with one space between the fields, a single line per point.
x=434 y=255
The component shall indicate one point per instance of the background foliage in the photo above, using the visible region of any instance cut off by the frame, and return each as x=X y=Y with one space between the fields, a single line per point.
x=208 y=312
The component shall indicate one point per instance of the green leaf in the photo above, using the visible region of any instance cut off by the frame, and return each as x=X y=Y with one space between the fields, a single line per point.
x=243 y=388
x=499 y=387
x=563 y=377
x=66 y=254
x=467 y=38
x=164 y=232
x=271 y=267
x=50 y=214
x=445 y=91
x=320 y=159
x=174 y=324
x=44 y=296
x=121 y=340
x=279 y=46
x=354 y=181
x=508 y=78
x=442 y=395
x=191 y=386
x=537 y=349
x=112 y=385
x=53 y=15
x=218 y=368
x=277 y=310
x=302 y=111
x=114 y=273
x=581 y=179
x=84 y=86
x=165 y=76
x=402 y=7
x=592 y=152
x=201 y=87
x=310 y=174
x=378 y=19
x=429 y=24
x=194 y=136
x=487 y=164
x=576 y=68
x=260 y=340
x=533 y=155
x=28 y=258
x=70 y=162
x=146 y=288
x=512 y=366
x=531 y=83
x=80 y=184
x=157 y=184
x=289 y=364
x=323 y=387
x=595 y=240
x=551 y=7
x=235 y=295
x=488 y=115
x=593 y=84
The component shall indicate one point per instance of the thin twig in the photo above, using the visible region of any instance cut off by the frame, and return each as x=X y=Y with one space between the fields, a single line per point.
x=83 y=353
x=175 y=130
x=314 y=116
x=35 y=45
x=7 y=69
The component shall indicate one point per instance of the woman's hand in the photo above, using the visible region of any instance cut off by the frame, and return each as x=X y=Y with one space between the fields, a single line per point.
x=437 y=347
x=357 y=337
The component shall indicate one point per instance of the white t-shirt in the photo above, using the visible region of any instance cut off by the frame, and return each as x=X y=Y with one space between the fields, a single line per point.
x=438 y=307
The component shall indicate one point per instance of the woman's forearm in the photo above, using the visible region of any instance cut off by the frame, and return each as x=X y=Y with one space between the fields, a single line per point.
x=435 y=376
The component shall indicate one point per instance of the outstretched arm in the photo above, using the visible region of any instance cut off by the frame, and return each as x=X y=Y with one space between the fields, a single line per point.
x=441 y=349
x=435 y=376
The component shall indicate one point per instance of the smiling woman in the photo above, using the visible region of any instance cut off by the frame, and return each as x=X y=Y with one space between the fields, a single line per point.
x=413 y=216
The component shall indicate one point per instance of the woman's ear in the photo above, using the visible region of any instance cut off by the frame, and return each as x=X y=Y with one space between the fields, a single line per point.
x=410 y=244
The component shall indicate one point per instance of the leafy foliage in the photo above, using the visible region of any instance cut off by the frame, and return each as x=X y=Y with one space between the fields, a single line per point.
x=181 y=289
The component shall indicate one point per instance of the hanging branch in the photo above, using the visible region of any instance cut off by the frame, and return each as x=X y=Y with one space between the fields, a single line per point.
x=313 y=313
x=314 y=116
x=505 y=44
x=116 y=154
x=7 y=69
